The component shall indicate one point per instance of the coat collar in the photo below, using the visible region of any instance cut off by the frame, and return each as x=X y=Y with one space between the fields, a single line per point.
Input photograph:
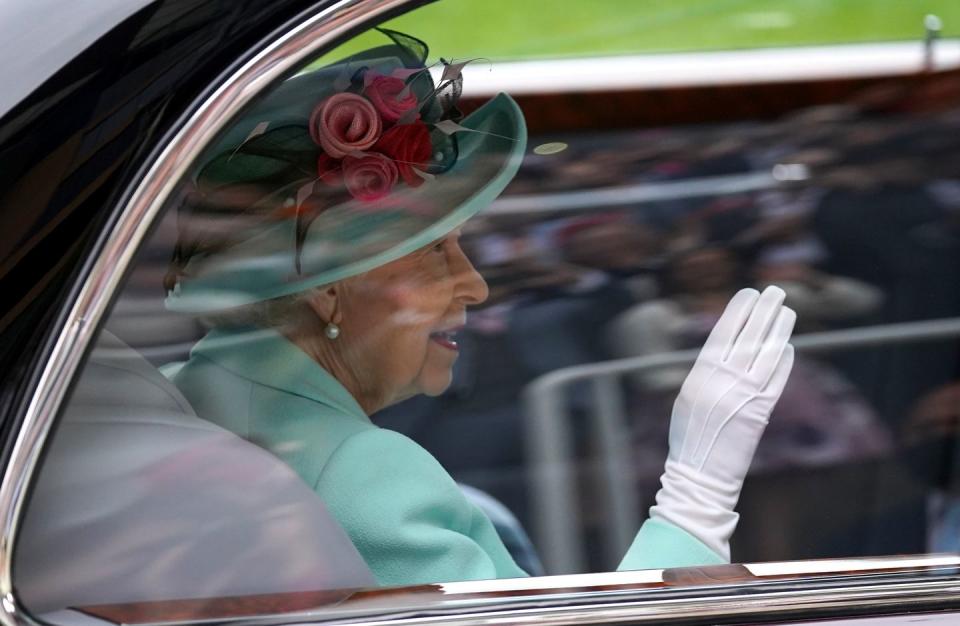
x=266 y=357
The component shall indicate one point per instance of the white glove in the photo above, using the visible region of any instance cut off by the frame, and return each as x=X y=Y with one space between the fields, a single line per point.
x=720 y=414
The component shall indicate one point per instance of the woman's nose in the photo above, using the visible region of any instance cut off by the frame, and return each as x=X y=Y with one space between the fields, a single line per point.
x=471 y=288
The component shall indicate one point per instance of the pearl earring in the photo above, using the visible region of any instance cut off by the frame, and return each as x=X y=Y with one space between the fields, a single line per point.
x=332 y=331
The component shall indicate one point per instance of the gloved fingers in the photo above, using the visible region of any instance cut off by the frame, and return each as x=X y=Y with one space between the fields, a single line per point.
x=718 y=345
x=756 y=329
x=773 y=347
x=781 y=373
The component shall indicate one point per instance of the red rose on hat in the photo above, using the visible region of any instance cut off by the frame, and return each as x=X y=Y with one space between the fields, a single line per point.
x=387 y=95
x=328 y=169
x=369 y=177
x=345 y=123
x=409 y=146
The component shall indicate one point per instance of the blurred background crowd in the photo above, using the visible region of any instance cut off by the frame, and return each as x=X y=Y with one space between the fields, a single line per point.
x=857 y=218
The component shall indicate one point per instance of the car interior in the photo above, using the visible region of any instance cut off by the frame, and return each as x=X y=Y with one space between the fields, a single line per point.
x=141 y=500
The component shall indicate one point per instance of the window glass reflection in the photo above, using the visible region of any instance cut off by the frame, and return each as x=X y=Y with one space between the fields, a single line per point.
x=401 y=330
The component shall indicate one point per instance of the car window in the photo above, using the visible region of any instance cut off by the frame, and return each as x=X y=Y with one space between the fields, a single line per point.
x=431 y=310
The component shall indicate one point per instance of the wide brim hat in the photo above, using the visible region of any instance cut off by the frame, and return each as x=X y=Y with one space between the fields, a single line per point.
x=258 y=221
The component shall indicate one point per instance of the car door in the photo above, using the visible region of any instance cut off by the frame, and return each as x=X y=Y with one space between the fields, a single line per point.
x=644 y=172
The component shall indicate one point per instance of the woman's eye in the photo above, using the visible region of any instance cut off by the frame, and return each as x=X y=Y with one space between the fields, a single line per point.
x=438 y=247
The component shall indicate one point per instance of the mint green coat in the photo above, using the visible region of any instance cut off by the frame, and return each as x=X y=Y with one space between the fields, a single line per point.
x=403 y=511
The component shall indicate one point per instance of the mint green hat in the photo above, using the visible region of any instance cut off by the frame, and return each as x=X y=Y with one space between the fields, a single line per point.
x=309 y=187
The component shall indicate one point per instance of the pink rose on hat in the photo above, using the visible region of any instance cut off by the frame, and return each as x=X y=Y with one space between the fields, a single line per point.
x=345 y=123
x=369 y=177
x=387 y=95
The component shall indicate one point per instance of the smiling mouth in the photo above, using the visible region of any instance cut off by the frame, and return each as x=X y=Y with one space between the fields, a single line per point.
x=446 y=338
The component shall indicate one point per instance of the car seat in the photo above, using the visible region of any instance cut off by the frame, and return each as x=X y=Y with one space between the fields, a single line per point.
x=139 y=500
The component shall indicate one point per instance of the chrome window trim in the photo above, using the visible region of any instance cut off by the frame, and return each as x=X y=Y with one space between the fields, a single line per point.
x=144 y=203
x=869 y=594
x=749 y=602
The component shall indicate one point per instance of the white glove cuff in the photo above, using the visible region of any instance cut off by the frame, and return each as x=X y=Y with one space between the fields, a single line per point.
x=699 y=505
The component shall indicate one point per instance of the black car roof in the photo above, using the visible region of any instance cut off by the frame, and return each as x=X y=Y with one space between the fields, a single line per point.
x=38 y=37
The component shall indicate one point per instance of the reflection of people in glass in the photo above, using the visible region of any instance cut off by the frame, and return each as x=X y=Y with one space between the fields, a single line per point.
x=931 y=438
x=821 y=418
x=322 y=243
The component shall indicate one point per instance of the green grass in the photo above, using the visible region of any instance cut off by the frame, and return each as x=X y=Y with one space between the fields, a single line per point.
x=517 y=29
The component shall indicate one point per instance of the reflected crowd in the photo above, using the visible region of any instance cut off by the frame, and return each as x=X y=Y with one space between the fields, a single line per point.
x=856 y=218
x=628 y=243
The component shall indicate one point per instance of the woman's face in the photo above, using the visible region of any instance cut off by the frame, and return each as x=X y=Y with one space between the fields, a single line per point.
x=399 y=321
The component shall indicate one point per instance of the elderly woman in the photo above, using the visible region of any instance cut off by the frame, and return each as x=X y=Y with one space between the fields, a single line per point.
x=322 y=241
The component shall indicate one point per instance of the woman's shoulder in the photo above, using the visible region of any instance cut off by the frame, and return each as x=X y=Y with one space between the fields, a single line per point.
x=385 y=451
x=380 y=479
x=300 y=426
x=305 y=433
x=391 y=464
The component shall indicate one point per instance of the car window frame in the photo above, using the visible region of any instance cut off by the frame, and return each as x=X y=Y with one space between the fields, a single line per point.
x=888 y=584
x=803 y=590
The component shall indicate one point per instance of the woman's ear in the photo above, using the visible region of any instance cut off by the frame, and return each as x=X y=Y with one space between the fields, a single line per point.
x=325 y=303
